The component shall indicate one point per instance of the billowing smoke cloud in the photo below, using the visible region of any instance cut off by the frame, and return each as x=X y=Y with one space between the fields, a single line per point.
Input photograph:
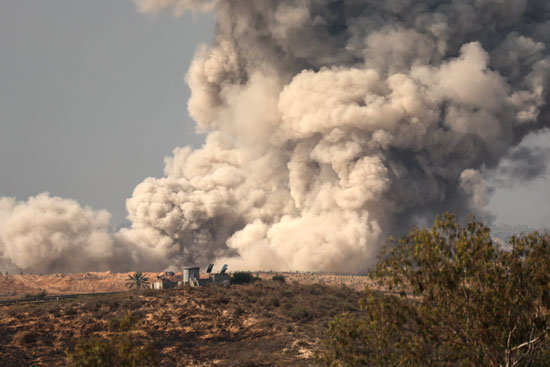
x=332 y=124
x=49 y=234
x=523 y=164
x=53 y=234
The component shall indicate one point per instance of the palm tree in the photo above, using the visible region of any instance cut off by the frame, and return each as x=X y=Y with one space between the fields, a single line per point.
x=139 y=280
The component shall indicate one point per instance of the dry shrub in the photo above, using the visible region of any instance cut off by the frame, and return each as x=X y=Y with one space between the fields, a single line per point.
x=100 y=314
x=149 y=292
x=300 y=313
x=237 y=311
x=274 y=301
x=70 y=310
x=118 y=351
x=91 y=306
x=24 y=338
x=279 y=278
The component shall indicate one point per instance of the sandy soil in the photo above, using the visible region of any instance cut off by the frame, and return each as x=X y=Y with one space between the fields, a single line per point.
x=16 y=286
x=267 y=323
x=58 y=284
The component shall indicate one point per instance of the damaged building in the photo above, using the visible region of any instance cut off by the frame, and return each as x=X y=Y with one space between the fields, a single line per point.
x=191 y=276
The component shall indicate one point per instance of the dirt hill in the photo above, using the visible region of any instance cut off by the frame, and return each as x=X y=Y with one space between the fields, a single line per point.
x=16 y=286
x=267 y=323
x=57 y=284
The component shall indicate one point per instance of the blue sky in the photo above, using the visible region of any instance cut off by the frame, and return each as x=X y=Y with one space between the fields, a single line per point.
x=92 y=97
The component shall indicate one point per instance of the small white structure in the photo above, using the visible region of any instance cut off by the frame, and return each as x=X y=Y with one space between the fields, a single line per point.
x=168 y=280
x=191 y=276
x=158 y=285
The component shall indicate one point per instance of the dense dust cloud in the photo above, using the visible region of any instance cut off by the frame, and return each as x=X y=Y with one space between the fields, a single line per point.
x=330 y=124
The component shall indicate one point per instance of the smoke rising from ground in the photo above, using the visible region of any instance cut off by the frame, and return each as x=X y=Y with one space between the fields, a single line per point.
x=332 y=124
x=48 y=234
x=53 y=234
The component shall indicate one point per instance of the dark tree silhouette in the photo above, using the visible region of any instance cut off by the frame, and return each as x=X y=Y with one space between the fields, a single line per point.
x=138 y=280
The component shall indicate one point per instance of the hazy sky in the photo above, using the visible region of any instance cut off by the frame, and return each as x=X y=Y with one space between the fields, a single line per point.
x=92 y=97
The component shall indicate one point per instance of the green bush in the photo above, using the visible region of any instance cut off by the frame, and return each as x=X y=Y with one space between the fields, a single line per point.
x=124 y=323
x=275 y=301
x=120 y=350
x=279 y=278
x=243 y=277
x=38 y=295
x=300 y=312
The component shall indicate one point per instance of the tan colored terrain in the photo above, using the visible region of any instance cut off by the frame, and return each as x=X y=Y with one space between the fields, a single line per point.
x=357 y=282
x=266 y=323
x=57 y=284
x=103 y=282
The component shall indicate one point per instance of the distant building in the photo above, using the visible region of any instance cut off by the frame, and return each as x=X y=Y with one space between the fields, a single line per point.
x=222 y=279
x=164 y=284
x=191 y=276
x=168 y=280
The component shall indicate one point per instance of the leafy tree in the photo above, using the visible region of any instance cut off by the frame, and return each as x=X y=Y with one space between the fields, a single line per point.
x=138 y=280
x=452 y=297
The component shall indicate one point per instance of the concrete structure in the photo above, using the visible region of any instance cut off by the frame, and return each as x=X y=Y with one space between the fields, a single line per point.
x=222 y=279
x=164 y=284
x=168 y=280
x=191 y=276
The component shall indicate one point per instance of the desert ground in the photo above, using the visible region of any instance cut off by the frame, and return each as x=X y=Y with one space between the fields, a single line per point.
x=267 y=323
x=19 y=285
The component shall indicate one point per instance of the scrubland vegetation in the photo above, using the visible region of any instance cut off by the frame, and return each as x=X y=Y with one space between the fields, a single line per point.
x=454 y=298
x=264 y=323
x=446 y=296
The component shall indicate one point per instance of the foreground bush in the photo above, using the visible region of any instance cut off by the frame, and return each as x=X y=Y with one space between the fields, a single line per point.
x=456 y=298
x=120 y=350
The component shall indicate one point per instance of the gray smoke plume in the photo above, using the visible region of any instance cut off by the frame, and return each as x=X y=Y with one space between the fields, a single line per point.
x=332 y=124
x=523 y=164
x=49 y=234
